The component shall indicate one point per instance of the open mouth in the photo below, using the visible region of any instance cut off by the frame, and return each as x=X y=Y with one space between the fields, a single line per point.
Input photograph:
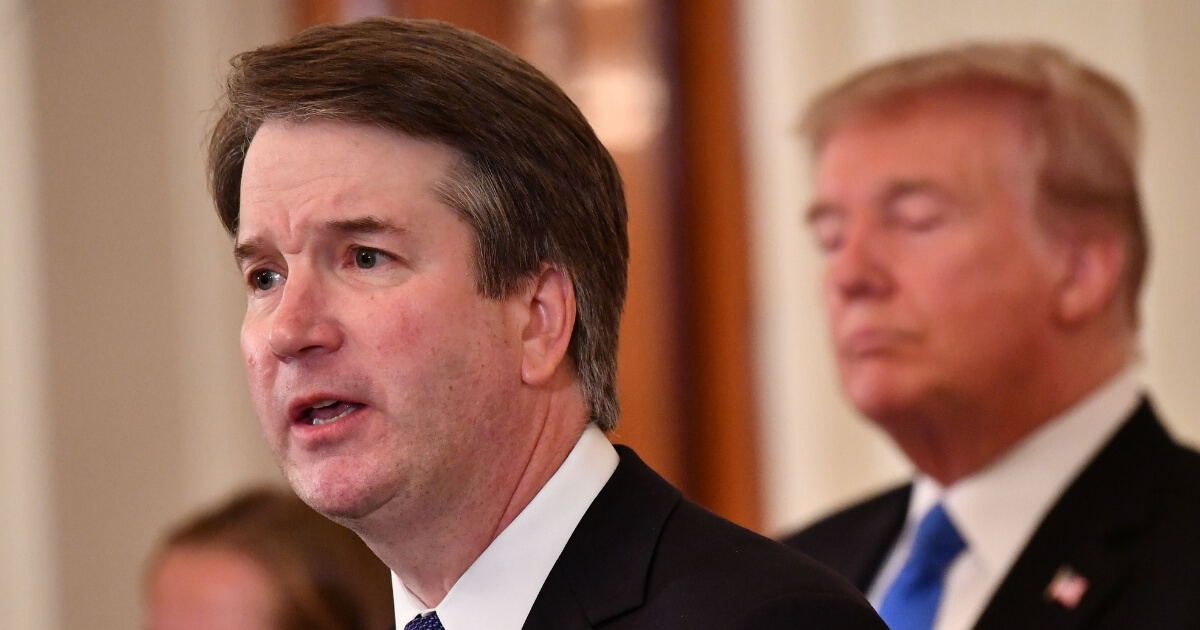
x=327 y=411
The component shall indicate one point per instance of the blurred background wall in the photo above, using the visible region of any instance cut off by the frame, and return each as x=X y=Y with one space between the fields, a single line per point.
x=119 y=304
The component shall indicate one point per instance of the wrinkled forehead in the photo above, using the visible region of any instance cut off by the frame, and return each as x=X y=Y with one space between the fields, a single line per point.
x=301 y=177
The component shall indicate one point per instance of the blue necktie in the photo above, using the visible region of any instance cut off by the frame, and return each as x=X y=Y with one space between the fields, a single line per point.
x=912 y=601
x=428 y=622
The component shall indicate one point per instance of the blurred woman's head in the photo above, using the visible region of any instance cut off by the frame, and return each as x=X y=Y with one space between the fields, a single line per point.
x=266 y=561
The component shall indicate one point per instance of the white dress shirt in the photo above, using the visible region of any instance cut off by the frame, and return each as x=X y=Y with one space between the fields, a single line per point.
x=499 y=588
x=997 y=509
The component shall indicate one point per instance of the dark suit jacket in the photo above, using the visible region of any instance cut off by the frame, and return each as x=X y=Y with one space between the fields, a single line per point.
x=1129 y=524
x=645 y=558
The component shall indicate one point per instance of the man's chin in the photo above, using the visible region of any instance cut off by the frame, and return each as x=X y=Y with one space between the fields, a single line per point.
x=337 y=499
x=882 y=400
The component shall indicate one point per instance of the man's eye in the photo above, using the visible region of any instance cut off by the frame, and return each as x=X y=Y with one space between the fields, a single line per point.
x=827 y=231
x=265 y=280
x=365 y=258
x=918 y=212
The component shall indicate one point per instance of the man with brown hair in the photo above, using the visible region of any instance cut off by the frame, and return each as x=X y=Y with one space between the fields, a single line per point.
x=984 y=247
x=434 y=252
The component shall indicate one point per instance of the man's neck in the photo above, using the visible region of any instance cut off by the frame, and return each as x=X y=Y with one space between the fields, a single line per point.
x=956 y=440
x=429 y=555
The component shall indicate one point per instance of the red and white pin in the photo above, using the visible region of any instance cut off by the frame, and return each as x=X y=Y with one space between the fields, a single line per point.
x=1067 y=587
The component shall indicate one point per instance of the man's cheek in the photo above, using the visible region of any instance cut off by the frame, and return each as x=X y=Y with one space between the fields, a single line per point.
x=254 y=353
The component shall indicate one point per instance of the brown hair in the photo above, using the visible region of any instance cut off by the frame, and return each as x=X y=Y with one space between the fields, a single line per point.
x=1082 y=125
x=534 y=183
x=327 y=577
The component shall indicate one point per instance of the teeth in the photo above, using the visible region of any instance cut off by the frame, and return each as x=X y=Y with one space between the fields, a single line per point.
x=324 y=403
x=349 y=408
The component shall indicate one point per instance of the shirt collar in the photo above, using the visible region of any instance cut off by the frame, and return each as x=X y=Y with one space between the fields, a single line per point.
x=498 y=590
x=997 y=509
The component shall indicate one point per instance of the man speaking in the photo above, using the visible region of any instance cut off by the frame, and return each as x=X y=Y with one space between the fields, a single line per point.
x=433 y=247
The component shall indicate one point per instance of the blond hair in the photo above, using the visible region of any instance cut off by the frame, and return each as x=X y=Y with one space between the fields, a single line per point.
x=1082 y=126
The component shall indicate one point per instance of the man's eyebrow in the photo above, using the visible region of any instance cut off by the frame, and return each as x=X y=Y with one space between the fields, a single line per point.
x=816 y=210
x=246 y=250
x=904 y=186
x=369 y=224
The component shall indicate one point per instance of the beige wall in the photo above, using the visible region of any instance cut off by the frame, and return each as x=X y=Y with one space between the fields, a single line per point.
x=124 y=395
x=817 y=453
x=27 y=567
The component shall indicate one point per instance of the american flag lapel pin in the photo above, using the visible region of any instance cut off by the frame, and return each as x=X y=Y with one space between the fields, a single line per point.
x=1067 y=587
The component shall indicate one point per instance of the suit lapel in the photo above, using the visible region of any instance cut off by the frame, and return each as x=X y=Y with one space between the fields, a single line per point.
x=603 y=570
x=855 y=541
x=1078 y=555
x=880 y=535
x=556 y=607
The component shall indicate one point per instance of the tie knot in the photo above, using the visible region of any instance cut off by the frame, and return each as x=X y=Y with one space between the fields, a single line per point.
x=428 y=622
x=937 y=541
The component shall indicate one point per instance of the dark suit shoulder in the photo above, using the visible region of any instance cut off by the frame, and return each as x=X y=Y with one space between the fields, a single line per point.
x=643 y=558
x=711 y=573
x=865 y=516
x=1126 y=527
x=809 y=612
x=1155 y=552
x=854 y=541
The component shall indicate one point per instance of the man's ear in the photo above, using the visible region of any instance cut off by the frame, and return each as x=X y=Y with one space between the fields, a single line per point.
x=547 y=332
x=1092 y=276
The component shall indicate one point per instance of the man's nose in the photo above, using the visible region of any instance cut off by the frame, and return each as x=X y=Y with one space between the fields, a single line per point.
x=303 y=323
x=858 y=269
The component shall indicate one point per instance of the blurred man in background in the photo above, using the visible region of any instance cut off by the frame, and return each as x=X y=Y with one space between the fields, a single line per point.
x=984 y=248
x=434 y=249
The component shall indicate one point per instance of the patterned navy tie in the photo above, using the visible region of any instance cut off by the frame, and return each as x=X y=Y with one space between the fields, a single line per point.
x=429 y=622
x=912 y=601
